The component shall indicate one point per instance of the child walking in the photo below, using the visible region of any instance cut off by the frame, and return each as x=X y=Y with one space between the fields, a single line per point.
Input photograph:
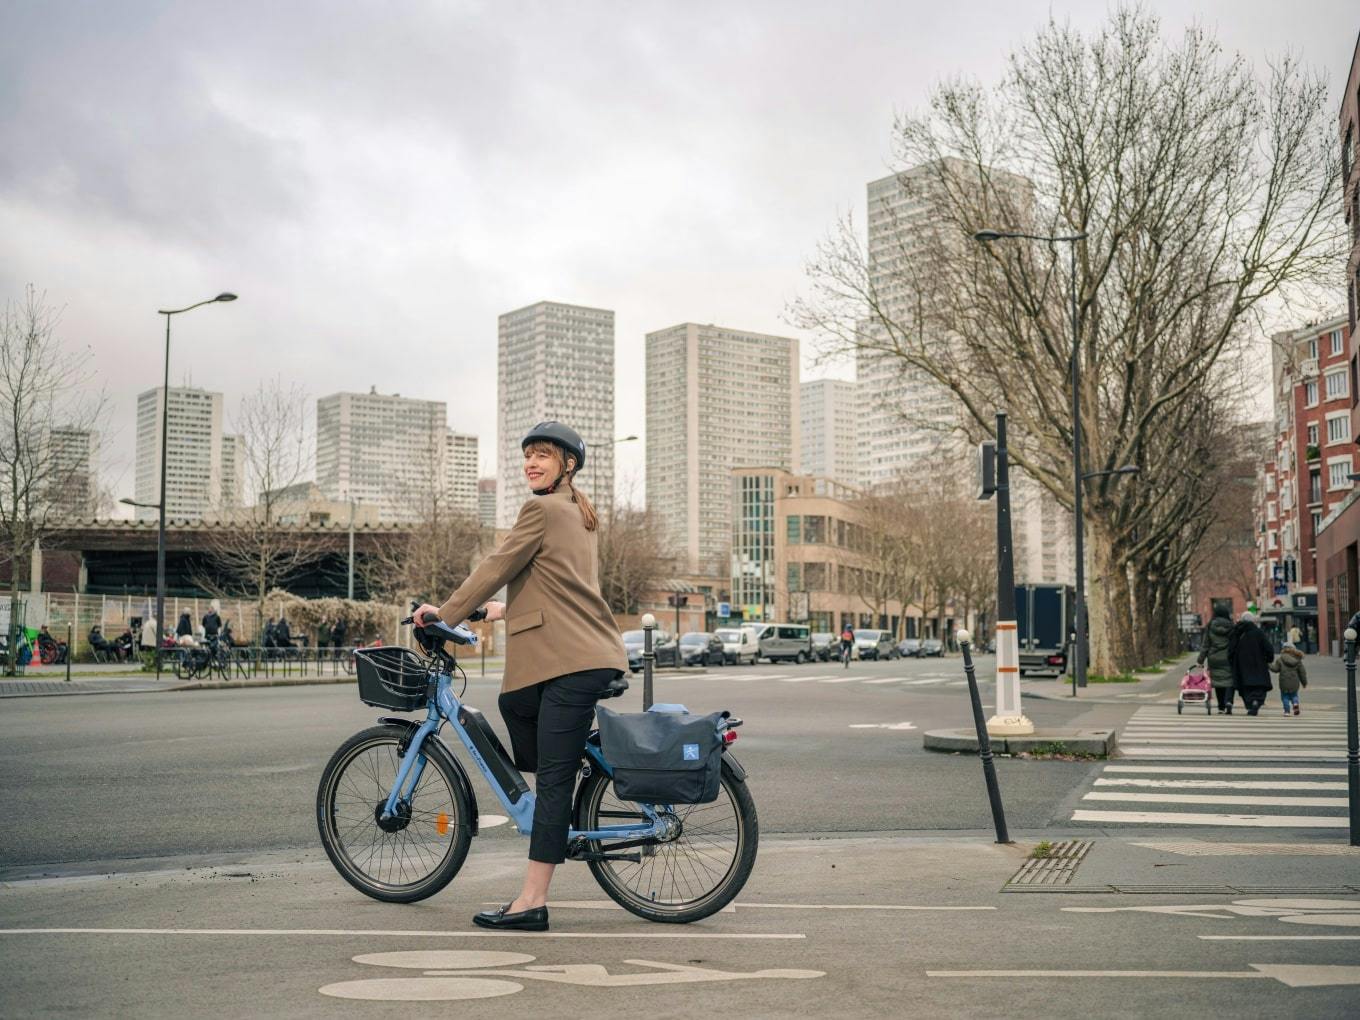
x=1289 y=664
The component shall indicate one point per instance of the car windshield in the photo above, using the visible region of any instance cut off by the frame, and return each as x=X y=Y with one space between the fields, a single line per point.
x=866 y=635
x=729 y=635
x=694 y=639
x=632 y=635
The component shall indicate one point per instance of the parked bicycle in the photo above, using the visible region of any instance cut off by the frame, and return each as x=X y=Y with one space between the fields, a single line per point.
x=202 y=661
x=397 y=812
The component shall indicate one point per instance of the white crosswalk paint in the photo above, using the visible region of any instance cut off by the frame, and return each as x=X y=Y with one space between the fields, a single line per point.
x=1209 y=798
x=1219 y=784
x=1198 y=753
x=838 y=680
x=1194 y=818
x=1199 y=771
x=888 y=680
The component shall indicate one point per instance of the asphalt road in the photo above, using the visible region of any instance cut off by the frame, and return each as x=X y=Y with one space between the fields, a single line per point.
x=121 y=778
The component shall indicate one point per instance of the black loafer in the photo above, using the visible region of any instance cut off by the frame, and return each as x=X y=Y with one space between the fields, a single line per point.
x=535 y=919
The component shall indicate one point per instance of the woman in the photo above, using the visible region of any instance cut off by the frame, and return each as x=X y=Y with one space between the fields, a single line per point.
x=1213 y=649
x=1250 y=654
x=563 y=649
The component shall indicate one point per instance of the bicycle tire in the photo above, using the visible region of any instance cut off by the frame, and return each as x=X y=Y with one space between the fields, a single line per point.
x=368 y=787
x=593 y=810
x=184 y=666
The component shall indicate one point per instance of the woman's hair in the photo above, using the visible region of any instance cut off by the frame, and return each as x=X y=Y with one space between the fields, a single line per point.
x=588 y=516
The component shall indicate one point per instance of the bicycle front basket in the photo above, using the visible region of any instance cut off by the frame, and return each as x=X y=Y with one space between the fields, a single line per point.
x=391 y=677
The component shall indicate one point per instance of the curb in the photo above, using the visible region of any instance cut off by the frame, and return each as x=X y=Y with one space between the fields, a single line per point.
x=268 y=681
x=1097 y=742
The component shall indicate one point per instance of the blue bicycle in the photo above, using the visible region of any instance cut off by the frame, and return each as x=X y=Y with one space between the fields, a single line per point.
x=397 y=813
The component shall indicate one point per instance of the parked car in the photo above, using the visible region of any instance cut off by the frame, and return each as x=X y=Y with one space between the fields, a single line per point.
x=699 y=648
x=909 y=647
x=663 y=647
x=784 y=642
x=740 y=644
x=825 y=645
x=875 y=644
x=932 y=646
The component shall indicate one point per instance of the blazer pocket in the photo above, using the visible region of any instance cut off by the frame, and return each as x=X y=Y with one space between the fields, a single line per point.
x=525 y=621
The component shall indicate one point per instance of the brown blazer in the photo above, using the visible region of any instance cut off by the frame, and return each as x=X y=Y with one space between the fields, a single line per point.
x=556 y=620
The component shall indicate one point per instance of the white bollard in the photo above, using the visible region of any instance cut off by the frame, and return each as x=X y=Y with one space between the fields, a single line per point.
x=1009 y=720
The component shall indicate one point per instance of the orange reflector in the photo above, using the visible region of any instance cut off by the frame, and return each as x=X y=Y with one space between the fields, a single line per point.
x=441 y=824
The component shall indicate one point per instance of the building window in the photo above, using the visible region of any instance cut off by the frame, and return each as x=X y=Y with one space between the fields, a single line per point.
x=1337 y=346
x=1271 y=541
x=793 y=526
x=794 y=576
x=1312 y=349
x=1271 y=512
x=1312 y=434
x=1317 y=523
x=1337 y=470
x=1315 y=486
x=1310 y=393
x=1336 y=384
x=1338 y=428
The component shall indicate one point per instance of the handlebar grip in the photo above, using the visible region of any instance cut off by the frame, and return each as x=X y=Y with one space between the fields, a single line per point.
x=476 y=615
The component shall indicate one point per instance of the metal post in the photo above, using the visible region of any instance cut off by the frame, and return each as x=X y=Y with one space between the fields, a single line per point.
x=70 y=633
x=648 y=658
x=160 y=530
x=350 y=585
x=1078 y=524
x=483 y=644
x=1010 y=715
x=1352 y=738
x=984 y=741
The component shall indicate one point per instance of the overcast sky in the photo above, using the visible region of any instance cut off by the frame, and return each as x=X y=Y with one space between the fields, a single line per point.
x=378 y=181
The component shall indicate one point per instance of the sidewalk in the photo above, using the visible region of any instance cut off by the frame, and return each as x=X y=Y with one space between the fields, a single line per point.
x=1148 y=687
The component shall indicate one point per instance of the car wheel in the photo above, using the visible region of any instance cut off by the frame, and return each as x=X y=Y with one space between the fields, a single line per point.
x=799 y=659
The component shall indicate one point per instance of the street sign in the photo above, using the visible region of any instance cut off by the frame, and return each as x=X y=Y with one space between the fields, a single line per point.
x=986 y=469
x=724 y=610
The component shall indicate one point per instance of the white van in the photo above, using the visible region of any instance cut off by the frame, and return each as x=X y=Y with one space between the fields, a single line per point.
x=739 y=645
x=787 y=642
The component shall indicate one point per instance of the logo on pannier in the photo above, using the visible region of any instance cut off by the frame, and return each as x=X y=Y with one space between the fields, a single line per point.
x=691 y=752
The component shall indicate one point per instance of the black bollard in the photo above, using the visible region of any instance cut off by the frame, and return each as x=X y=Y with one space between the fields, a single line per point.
x=1352 y=738
x=984 y=742
x=648 y=657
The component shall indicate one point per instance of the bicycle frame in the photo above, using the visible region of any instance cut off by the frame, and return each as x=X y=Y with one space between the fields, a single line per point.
x=444 y=707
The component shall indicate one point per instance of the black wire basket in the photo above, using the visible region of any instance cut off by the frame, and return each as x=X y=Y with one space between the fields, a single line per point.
x=392 y=677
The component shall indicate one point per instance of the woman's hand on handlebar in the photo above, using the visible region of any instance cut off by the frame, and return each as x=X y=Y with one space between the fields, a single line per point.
x=425 y=614
x=495 y=611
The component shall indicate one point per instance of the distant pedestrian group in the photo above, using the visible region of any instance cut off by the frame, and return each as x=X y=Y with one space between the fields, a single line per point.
x=1241 y=660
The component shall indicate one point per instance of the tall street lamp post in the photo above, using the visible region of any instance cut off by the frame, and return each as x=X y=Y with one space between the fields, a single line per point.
x=987 y=236
x=165 y=424
x=593 y=488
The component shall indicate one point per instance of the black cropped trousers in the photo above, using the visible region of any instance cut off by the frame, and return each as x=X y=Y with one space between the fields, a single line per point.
x=548 y=725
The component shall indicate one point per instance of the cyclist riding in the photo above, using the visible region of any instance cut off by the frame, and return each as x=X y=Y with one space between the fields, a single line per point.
x=563 y=649
x=847 y=644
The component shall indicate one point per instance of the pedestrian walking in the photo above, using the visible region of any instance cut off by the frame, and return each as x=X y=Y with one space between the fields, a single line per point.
x=1250 y=653
x=1213 y=651
x=1295 y=636
x=1293 y=676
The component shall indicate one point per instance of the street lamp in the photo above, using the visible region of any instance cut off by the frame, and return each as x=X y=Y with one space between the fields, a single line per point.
x=165 y=424
x=986 y=237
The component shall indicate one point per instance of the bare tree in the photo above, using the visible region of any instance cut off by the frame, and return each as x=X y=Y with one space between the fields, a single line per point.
x=1203 y=195
x=253 y=549
x=633 y=559
x=40 y=394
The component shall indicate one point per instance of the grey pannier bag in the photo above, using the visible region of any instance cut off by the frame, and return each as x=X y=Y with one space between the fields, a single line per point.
x=663 y=755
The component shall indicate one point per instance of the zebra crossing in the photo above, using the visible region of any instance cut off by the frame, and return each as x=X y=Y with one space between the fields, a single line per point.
x=840 y=677
x=1267 y=771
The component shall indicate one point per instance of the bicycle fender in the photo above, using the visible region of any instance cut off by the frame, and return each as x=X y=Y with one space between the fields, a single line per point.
x=738 y=773
x=433 y=746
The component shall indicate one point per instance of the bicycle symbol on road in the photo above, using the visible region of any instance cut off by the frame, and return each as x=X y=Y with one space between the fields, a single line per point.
x=451 y=975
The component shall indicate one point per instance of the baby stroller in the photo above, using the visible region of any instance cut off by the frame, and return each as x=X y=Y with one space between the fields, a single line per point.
x=1195 y=689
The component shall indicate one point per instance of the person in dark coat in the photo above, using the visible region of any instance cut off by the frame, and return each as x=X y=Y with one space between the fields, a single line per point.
x=185 y=625
x=1250 y=653
x=1213 y=649
x=283 y=634
x=339 y=632
x=212 y=624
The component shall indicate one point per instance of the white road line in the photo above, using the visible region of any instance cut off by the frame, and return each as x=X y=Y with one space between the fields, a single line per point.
x=792 y=679
x=412 y=933
x=889 y=680
x=1219 y=784
x=927 y=680
x=846 y=906
x=1279 y=938
x=838 y=680
x=1231 y=741
x=1228 y=753
x=1168 y=770
x=1211 y=798
x=1194 y=818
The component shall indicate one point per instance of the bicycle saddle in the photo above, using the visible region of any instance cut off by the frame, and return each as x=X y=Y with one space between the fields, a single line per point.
x=616 y=688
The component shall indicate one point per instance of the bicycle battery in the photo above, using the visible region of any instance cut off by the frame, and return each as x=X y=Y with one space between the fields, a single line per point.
x=493 y=753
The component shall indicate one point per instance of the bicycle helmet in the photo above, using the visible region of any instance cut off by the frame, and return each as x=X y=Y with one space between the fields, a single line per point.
x=562 y=436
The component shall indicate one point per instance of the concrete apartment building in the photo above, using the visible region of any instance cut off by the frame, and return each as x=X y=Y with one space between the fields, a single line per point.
x=233 y=471
x=460 y=472
x=796 y=542
x=717 y=398
x=829 y=444
x=1310 y=456
x=72 y=455
x=486 y=502
x=1338 y=534
x=555 y=361
x=393 y=452
x=195 y=441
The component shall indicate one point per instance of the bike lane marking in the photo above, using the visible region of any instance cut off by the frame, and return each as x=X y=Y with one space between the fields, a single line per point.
x=1293 y=975
x=400 y=933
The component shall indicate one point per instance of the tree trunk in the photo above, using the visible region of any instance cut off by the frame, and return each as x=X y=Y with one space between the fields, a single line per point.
x=1108 y=602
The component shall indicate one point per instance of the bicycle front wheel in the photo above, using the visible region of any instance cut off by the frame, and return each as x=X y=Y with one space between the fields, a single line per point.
x=689 y=878
x=412 y=855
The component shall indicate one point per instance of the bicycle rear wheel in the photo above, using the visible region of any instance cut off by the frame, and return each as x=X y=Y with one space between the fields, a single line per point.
x=406 y=858
x=689 y=878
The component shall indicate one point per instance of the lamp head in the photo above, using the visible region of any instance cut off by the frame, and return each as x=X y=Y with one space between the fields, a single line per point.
x=225 y=296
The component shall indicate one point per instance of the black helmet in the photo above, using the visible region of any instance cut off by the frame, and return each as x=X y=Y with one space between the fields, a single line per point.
x=559 y=435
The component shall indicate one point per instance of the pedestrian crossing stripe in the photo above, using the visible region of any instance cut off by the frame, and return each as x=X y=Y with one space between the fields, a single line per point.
x=1201 y=818
x=1216 y=798
x=1172 y=770
x=1222 y=784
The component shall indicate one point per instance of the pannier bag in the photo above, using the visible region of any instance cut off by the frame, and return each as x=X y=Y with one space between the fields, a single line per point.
x=662 y=757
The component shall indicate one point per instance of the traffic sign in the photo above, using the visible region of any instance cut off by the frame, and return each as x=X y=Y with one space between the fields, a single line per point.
x=724 y=610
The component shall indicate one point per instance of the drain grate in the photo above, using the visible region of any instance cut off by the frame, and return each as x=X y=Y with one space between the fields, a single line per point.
x=1055 y=869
